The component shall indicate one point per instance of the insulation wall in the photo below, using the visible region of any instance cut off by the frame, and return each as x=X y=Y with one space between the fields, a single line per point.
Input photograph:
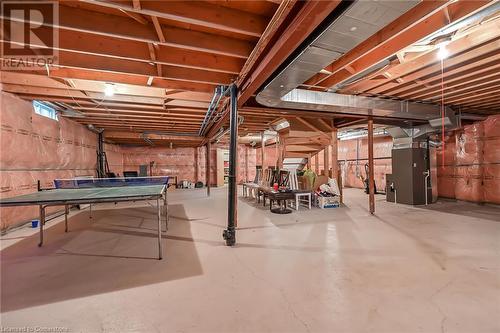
x=33 y=147
x=186 y=163
x=470 y=169
x=353 y=155
x=271 y=155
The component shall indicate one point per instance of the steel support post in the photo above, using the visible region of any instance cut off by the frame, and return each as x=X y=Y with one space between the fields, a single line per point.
x=371 y=180
x=230 y=233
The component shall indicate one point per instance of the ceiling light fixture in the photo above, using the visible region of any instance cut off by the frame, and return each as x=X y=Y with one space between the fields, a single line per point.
x=443 y=52
x=109 y=89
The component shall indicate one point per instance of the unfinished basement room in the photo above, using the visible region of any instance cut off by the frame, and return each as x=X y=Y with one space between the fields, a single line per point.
x=223 y=166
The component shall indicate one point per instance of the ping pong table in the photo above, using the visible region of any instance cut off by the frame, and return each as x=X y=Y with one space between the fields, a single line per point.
x=90 y=191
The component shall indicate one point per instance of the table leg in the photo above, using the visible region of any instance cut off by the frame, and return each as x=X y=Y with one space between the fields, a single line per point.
x=297 y=202
x=159 y=228
x=42 y=222
x=90 y=211
x=309 y=197
x=66 y=211
x=165 y=202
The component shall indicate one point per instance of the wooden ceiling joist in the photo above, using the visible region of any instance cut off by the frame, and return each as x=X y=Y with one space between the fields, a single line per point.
x=417 y=23
x=76 y=19
x=198 y=13
x=80 y=42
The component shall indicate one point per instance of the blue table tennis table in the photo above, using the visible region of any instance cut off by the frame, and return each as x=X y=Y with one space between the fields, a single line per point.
x=67 y=192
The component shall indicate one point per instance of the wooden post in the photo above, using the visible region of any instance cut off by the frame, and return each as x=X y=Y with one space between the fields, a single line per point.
x=208 y=164
x=196 y=153
x=309 y=161
x=247 y=170
x=335 y=153
x=316 y=163
x=263 y=150
x=281 y=152
x=371 y=183
x=326 y=162
x=339 y=183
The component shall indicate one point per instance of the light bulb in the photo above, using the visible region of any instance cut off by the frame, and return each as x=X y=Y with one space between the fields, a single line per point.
x=109 y=89
x=443 y=52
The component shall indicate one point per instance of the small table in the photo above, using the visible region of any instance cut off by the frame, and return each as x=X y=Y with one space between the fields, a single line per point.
x=280 y=197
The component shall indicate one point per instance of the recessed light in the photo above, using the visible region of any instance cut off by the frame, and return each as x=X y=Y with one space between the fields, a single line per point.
x=353 y=28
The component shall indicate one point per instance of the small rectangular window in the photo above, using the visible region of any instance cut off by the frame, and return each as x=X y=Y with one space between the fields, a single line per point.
x=44 y=110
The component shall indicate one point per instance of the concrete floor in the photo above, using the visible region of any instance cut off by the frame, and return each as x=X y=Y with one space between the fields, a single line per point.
x=407 y=269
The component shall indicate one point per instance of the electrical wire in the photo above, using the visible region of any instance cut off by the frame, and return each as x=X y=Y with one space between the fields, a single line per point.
x=442 y=113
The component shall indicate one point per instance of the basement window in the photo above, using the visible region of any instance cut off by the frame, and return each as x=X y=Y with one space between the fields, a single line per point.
x=44 y=110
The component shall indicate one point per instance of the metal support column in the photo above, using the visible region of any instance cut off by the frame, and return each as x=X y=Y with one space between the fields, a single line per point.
x=263 y=150
x=101 y=173
x=209 y=148
x=230 y=233
x=371 y=180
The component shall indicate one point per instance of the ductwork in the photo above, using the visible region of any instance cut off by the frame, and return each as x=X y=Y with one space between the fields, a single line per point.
x=357 y=23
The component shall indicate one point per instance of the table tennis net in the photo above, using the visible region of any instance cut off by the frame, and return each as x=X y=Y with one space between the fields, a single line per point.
x=109 y=182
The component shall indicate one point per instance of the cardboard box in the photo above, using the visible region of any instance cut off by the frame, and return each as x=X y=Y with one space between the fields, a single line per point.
x=327 y=202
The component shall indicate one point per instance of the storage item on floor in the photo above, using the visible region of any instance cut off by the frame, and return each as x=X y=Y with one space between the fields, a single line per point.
x=327 y=202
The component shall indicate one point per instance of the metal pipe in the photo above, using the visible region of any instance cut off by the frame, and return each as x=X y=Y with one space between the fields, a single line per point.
x=263 y=150
x=209 y=148
x=371 y=174
x=220 y=91
x=230 y=233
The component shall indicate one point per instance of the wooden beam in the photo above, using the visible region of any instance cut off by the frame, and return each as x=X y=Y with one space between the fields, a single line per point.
x=132 y=135
x=305 y=21
x=85 y=74
x=92 y=22
x=334 y=151
x=198 y=13
x=135 y=16
x=316 y=165
x=158 y=29
x=324 y=123
x=326 y=161
x=311 y=126
x=122 y=66
x=412 y=26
